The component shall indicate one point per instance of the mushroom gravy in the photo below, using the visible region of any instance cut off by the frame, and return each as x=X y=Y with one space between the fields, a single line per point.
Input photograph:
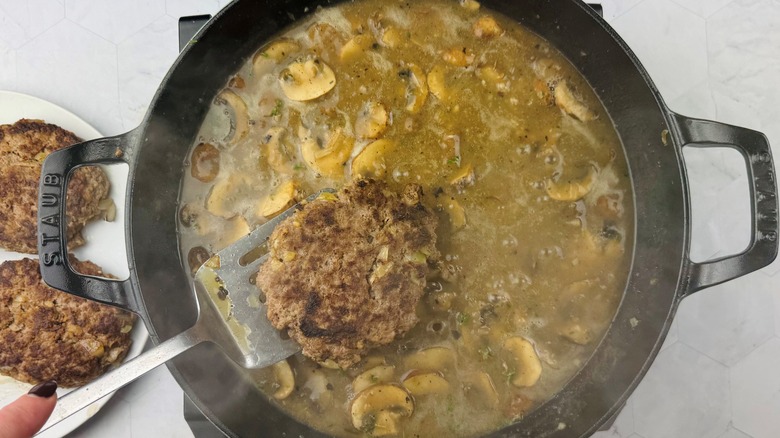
x=515 y=154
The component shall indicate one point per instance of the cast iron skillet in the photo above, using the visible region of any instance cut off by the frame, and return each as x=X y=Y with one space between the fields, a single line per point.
x=159 y=287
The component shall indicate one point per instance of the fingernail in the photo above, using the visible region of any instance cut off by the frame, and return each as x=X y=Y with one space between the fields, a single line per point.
x=45 y=389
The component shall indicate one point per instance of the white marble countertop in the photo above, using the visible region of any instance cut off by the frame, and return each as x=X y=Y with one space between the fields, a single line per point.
x=717 y=375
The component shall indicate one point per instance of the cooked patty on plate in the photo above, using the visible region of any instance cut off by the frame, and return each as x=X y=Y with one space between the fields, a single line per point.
x=23 y=147
x=346 y=272
x=30 y=140
x=46 y=334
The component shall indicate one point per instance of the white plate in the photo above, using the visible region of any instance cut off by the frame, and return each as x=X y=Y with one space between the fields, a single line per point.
x=105 y=241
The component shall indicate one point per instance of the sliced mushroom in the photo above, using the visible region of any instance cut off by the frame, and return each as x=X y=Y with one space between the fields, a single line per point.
x=205 y=162
x=456 y=213
x=328 y=161
x=373 y=361
x=329 y=364
x=375 y=375
x=491 y=75
x=309 y=79
x=326 y=39
x=371 y=120
x=382 y=29
x=609 y=206
x=356 y=47
x=487 y=27
x=233 y=230
x=426 y=383
x=572 y=190
x=570 y=104
x=223 y=195
x=416 y=88
x=278 y=154
x=239 y=126
x=433 y=358
x=196 y=257
x=277 y=51
x=370 y=162
x=279 y=200
x=284 y=378
x=392 y=37
x=576 y=333
x=483 y=385
x=458 y=56
x=470 y=5
x=377 y=409
x=528 y=367
x=437 y=82
x=237 y=82
x=547 y=70
x=463 y=177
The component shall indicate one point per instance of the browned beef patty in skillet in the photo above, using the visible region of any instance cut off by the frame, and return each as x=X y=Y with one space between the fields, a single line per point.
x=346 y=272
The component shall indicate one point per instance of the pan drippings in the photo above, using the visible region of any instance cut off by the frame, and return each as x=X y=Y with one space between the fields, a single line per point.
x=514 y=153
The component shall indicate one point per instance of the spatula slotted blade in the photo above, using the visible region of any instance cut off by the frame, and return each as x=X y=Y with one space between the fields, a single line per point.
x=235 y=268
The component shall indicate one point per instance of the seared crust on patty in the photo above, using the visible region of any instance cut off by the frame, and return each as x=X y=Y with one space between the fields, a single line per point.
x=30 y=140
x=23 y=146
x=345 y=275
x=46 y=334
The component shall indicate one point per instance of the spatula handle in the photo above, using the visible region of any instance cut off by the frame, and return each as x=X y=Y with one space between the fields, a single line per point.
x=128 y=372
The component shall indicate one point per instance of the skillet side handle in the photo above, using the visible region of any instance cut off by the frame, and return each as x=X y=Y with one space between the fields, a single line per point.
x=763 y=246
x=52 y=224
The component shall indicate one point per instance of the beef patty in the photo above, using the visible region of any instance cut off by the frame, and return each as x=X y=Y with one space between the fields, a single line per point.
x=46 y=334
x=346 y=272
x=23 y=147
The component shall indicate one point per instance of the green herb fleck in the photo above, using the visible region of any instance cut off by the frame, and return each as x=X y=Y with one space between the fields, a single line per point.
x=299 y=166
x=374 y=378
x=462 y=318
x=486 y=353
x=277 y=111
x=264 y=54
x=454 y=160
x=510 y=375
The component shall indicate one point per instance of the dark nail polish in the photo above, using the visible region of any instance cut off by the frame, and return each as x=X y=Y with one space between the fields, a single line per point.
x=45 y=389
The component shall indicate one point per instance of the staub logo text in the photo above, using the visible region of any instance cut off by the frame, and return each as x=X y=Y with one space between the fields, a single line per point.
x=50 y=237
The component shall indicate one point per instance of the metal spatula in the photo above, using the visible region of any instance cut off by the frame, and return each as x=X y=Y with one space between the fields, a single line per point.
x=230 y=315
